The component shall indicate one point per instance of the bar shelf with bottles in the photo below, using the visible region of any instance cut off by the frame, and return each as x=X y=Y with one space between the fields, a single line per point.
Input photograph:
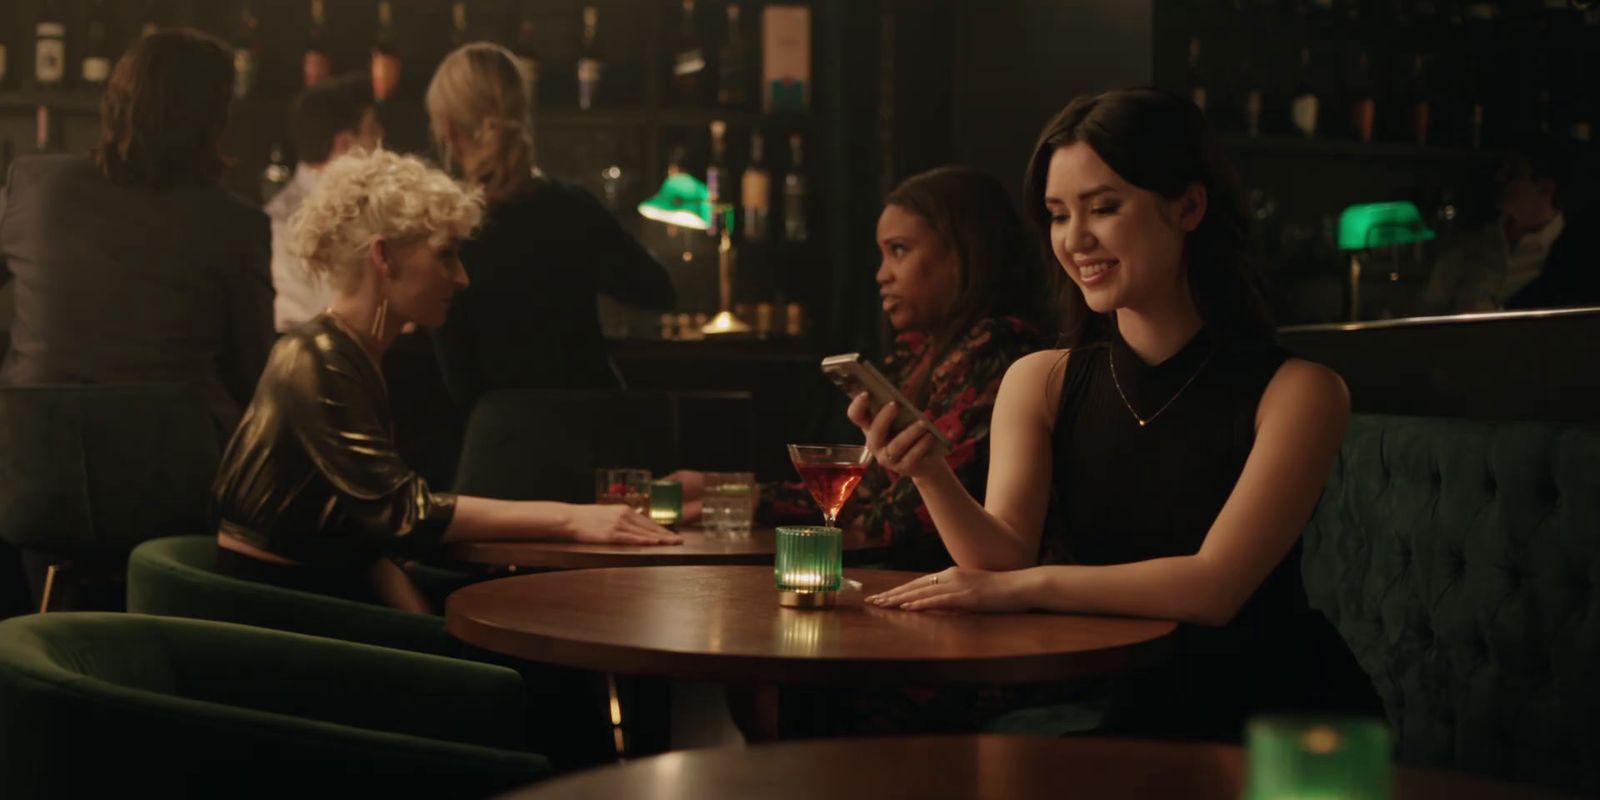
x=1403 y=79
x=1324 y=104
x=620 y=85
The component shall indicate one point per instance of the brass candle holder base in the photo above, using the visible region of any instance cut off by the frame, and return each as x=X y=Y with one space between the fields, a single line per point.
x=793 y=599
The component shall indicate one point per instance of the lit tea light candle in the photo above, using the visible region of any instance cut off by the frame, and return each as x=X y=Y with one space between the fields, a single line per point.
x=808 y=567
x=666 y=502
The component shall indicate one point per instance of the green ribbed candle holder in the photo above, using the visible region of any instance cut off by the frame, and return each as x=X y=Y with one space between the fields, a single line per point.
x=1327 y=759
x=808 y=567
x=666 y=502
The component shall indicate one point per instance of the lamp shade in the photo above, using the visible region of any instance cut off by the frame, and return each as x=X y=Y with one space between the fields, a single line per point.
x=1370 y=225
x=683 y=201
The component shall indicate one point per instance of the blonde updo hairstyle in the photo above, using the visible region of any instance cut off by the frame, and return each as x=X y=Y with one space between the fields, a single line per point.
x=364 y=197
x=481 y=91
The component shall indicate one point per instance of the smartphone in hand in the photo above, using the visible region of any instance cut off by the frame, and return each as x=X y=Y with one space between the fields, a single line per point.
x=854 y=375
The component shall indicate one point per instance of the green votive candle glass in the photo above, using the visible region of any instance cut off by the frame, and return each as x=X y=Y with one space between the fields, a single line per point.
x=1325 y=759
x=666 y=502
x=809 y=565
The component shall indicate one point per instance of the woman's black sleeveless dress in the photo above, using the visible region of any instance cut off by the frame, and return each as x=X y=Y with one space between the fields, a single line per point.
x=1123 y=492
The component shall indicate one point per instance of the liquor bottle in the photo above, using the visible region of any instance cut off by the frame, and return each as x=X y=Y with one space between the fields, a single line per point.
x=1194 y=79
x=96 y=45
x=689 y=58
x=317 y=64
x=459 y=34
x=1362 y=99
x=50 y=46
x=1303 y=101
x=733 y=79
x=717 y=173
x=755 y=190
x=385 y=66
x=591 y=65
x=794 y=194
x=1250 y=97
x=1419 y=102
x=44 y=128
x=4 y=58
x=247 y=52
x=275 y=176
x=527 y=51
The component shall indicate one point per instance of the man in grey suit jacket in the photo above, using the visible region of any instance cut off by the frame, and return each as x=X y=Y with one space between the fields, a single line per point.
x=133 y=264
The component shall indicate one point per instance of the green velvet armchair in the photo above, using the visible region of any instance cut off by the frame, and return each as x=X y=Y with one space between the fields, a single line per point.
x=92 y=703
x=1459 y=561
x=176 y=577
x=87 y=472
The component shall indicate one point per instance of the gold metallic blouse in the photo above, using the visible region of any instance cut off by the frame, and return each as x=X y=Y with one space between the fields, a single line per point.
x=312 y=474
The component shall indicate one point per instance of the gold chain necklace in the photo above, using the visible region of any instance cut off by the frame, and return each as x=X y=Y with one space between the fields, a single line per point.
x=1111 y=356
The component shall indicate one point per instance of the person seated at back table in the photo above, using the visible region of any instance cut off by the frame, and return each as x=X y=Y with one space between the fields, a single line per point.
x=1165 y=463
x=968 y=293
x=131 y=262
x=328 y=119
x=311 y=493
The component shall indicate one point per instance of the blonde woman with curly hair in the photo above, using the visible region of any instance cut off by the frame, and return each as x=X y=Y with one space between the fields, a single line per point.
x=546 y=249
x=311 y=493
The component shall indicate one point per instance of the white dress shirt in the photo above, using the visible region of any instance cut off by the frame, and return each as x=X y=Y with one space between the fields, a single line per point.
x=300 y=294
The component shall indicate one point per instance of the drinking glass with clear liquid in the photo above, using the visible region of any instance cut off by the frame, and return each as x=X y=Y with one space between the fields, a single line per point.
x=728 y=506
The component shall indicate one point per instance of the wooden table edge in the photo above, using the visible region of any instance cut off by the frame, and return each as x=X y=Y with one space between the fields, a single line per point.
x=800 y=671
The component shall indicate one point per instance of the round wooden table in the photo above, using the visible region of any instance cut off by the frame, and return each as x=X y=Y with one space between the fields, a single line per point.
x=724 y=624
x=698 y=547
x=930 y=768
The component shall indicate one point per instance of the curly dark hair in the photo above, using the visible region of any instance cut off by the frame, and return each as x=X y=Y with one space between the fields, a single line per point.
x=1162 y=143
x=164 y=111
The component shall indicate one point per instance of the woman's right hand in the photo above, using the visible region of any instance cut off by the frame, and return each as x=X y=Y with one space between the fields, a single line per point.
x=907 y=452
x=615 y=524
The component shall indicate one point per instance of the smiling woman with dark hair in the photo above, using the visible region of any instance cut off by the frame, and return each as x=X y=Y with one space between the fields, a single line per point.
x=132 y=264
x=1165 y=462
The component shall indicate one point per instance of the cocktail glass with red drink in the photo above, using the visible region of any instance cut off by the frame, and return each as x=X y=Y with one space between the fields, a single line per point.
x=831 y=472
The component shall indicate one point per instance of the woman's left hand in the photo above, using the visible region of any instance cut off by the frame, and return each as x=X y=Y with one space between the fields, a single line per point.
x=956 y=589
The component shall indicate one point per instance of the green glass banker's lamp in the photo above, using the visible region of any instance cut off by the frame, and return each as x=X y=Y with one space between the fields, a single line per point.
x=1368 y=227
x=685 y=201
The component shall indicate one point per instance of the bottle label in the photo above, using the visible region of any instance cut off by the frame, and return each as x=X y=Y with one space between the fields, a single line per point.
x=50 y=58
x=3 y=62
x=385 y=75
x=690 y=62
x=96 y=69
x=317 y=67
x=244 y=71
x=1303 y=114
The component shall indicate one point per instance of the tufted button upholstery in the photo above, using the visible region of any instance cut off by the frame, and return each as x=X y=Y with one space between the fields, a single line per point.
x=1458 y=559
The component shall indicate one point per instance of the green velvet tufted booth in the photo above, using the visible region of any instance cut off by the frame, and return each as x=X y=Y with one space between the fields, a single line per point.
x=176 y=577
x=1459 y=560
x=144 y=706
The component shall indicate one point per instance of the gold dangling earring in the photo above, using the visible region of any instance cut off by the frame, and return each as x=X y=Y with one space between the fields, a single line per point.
x=379 y=319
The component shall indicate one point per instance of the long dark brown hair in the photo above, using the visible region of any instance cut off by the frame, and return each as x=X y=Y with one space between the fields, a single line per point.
x=164 y=111
x=1000 y=270
x=1162 y=143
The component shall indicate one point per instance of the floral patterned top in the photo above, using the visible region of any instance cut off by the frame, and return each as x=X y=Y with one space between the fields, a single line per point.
x=960 y=401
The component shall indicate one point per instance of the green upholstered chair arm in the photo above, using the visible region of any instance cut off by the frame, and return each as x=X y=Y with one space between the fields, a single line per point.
x=174 y=577
x=289 y=673
x=199 y=701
